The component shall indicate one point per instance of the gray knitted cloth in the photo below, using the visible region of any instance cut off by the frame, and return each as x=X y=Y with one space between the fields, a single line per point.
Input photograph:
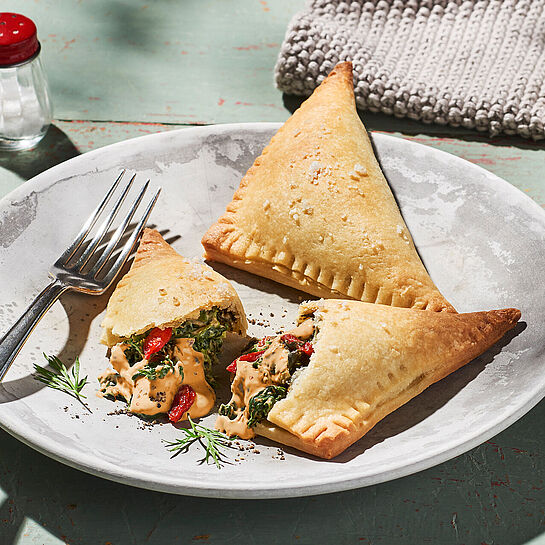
x=473 y=63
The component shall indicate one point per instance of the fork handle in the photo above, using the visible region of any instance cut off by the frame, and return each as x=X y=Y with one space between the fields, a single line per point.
x=12 y=342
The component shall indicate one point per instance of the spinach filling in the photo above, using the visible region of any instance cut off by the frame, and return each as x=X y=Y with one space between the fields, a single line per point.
x=228 y=410
x=296 y=360
x=208 y=330
x=261 y=403
x=160 y=370
x=108 y=382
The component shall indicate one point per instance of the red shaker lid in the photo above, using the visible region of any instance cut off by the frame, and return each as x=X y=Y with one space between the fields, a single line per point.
x=18 y=38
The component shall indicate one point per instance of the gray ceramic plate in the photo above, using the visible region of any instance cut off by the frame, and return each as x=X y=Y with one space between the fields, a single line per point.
x=481 y=239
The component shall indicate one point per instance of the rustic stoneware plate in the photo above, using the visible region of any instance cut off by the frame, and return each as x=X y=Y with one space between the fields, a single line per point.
x=481 y=239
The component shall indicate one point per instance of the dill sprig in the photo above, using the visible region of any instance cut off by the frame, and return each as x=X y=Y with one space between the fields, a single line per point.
x=60 y=378
x=213 y=441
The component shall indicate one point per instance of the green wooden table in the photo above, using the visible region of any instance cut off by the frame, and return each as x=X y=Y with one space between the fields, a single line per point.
x=123 y=68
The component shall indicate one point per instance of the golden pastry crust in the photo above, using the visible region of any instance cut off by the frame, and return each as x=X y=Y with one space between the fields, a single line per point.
x=315 y=212
x=163 y=289
x=368 y=361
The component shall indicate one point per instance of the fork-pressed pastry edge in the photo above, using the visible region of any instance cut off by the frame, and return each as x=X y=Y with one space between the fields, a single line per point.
x=401 y=353
x=315 y=212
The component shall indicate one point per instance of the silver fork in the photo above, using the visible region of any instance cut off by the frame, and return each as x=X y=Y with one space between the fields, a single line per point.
x=76 y=269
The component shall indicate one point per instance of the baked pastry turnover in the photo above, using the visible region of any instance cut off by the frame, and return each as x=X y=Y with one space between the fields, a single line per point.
x=348 y=364
x=315 y=211
x=165 y=323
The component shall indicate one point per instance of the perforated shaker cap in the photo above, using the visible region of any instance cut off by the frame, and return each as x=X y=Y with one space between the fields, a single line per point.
x=18 y=39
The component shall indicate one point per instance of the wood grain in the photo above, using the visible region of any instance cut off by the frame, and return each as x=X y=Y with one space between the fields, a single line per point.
x=190 y=61
x=122 y=68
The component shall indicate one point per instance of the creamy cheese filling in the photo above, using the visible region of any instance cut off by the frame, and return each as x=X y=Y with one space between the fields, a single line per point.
x=155 y=396
x=258 y=384
x=148 y=369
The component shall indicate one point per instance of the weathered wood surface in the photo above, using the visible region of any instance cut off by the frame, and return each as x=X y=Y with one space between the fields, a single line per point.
x=175 y=61
x=122 y=68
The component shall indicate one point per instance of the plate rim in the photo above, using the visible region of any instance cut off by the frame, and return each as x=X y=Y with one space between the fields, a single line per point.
x=279 y=490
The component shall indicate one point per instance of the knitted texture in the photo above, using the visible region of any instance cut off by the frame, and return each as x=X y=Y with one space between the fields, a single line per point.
x=474 y=63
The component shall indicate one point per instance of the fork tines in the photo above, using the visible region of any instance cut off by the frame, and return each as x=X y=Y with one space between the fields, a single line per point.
x=92 y=258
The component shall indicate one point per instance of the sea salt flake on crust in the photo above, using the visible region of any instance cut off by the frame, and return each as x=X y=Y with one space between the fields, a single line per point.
x=324 y=142
x=369 y=360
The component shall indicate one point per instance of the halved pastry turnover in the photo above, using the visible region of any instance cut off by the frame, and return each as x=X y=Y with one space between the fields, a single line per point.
x=348 y=364
x=315 y=211
x=165 y=324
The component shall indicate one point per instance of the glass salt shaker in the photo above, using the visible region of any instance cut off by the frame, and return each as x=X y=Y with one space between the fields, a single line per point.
x=25 y=109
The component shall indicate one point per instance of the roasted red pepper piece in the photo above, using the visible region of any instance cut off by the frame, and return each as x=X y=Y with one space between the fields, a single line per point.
x=252 y=356
x=155 y=341
x=289 y=338
x=291 y=341
x=182 y=402
x=307 y=348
